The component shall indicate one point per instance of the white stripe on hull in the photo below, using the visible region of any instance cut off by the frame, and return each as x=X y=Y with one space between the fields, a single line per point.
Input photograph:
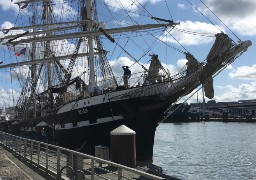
x=79 y=124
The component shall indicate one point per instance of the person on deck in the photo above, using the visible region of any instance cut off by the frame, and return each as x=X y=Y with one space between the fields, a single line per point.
x=127 y=75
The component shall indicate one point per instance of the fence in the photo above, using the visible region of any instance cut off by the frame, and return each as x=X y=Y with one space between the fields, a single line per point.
x=62 y=163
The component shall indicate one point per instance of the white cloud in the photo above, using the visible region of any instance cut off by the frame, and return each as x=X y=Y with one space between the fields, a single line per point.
x=238 y=15
x=229 y=67
x=181 y=6
x=120 y=4
x=7 y=96
x=122 y=23
x=181 y=63
x=154 y=1
x=244 y=72
x=7 y=25
x=62 y=9
x=130 y=5
x=191 y=39
x=21 y=72
x=9 y=5
x=242 y=92
x=229 y=93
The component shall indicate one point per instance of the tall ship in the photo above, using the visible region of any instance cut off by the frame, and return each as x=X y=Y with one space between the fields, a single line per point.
x=69 y=88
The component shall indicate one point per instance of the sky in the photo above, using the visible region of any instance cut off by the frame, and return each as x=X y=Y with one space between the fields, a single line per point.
x=237 y=18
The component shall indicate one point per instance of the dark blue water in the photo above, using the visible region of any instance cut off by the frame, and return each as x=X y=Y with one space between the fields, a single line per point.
x=210 y=150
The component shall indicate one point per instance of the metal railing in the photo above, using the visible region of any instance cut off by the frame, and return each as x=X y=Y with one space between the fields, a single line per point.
x=62 y=163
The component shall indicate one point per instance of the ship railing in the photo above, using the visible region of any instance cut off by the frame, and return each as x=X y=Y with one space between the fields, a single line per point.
x=155 y=88
x=60 y=163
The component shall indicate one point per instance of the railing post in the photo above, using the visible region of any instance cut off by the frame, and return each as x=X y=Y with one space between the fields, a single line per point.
x=70 y=162
x=119 y=173
x=46 y=159
x=92 y=169
x=38 y=154
x=7 y=139
x=4 y=141
x=25 y=149
x=58 y=163
x=8 y=142
x=31 y=151
x=1 y=137
x=19 y=146
x=78 y=165
x=16 y=144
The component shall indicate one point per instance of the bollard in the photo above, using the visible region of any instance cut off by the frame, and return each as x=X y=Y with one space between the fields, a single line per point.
x=122 y=146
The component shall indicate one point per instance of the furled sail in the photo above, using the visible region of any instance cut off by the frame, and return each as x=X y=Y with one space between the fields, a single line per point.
x=221 y=45
x=154 y=70
x=208 y=88
x=192 y=64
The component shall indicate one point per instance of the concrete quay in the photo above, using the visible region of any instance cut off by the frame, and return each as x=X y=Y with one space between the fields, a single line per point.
x=13 y=168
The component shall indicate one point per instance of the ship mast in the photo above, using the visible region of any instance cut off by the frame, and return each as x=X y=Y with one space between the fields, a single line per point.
x=46 y=16
x=33 y=67
x=89 y=27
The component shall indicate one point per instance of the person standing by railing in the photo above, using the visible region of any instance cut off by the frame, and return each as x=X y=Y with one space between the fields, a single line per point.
x=127 y=75
x=44 y=136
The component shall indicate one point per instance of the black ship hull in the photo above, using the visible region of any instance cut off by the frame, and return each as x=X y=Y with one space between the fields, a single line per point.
x=85 y=126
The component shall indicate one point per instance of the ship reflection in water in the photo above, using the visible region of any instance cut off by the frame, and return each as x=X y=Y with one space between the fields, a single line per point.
x=206 y=150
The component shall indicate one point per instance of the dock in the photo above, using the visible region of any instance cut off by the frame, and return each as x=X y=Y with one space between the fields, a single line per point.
x=30 y=159
x=12 y=168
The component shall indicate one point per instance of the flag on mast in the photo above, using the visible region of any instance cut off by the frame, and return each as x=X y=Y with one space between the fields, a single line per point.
x=23 y=51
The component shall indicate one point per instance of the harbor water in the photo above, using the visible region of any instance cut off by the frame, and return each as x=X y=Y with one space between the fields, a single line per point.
x=206 y=150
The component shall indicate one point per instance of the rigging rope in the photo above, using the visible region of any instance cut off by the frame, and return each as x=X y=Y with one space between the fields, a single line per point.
x=128 y=15
x=117 y=44
x=193 y=33
x=132 y=57
x=158 y=20
x=220 y=20
x=72 y=62
x=150 y=15
x=174 y=48
x=177 y=41
x=168 y=9
x=203 y=15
